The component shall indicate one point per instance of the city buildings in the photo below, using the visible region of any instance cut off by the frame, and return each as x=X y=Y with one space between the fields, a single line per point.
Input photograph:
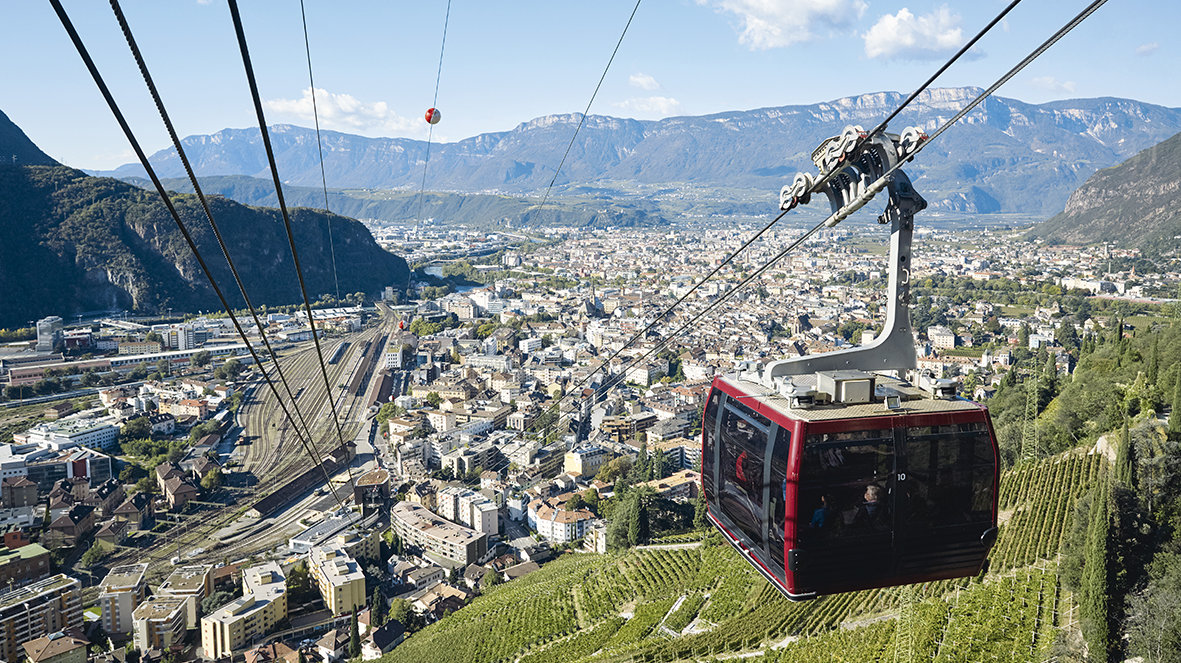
x=339 y=579
x=44 y=607
x=68 y=646
x=417 y=526
x=100 y=434
x=192 y=584
x=22 y=565
x=122 y=590
x=468 y=507
x=160 y=623
x=232 y=628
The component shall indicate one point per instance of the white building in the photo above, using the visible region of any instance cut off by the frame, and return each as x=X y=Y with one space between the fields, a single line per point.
x=99 y=434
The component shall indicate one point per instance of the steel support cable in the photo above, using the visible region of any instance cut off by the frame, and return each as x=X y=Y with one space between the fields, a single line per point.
x=817 y=186
x=435 y=101
x=143 y=158
x=582 y=119
x=153 y=90
x=319 y=146
x=1070 y=25
x=266 y=141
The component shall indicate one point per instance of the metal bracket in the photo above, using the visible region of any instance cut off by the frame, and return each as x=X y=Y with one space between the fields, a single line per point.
x=893 y=349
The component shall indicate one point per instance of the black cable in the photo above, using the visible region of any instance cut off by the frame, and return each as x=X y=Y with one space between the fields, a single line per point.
x=151 y=85
x=266 y=141
x=816 y=187
x=966 y=47
x=319 y=147
x=1090 y=9
x=588 y=105
x=434 y=103
x=122 y=121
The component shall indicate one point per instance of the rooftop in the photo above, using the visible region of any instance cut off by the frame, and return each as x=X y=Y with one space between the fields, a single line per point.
x=159 y=607
x=186 y=579
x=30 y=592
x=24 y=552
x=374 y=478
x=433 y=525
x=122 y=578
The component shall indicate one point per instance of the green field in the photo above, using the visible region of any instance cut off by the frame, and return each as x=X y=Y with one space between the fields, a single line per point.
x=634 y=606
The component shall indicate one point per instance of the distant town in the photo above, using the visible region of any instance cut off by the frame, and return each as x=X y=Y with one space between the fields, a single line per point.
x=462 y=430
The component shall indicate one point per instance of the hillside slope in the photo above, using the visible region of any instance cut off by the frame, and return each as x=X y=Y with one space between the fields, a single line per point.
x=1135 y=204
x=71 y=243
x=695 y=603
x=1007 y=156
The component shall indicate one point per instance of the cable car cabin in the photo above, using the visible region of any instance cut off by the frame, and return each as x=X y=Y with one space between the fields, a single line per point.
x=872 y=484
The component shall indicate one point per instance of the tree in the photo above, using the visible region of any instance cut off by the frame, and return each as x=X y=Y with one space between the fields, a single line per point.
x=202 y=359
x=135 y=429
x=213 y=480
x=153 y=337
x=434 y=399
x=212 y=603
x=229 y=370
x=1154 y=632
x=1095 y=600
x=492 y=579
x=699 y=511
x=1175 y=413
x=93 y=555
x=575 y=503
x=145 y=485
x=354 y=637
x=163 y=367
x=139 y=372
x=377 y=607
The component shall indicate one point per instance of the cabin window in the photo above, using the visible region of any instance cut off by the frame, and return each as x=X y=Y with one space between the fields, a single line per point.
x=775 y=529
x=744 y=450
x=709 y=430
x=845 y=484
x=949 y=470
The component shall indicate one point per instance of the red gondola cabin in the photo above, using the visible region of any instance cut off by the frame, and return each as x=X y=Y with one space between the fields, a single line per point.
x=876 y=484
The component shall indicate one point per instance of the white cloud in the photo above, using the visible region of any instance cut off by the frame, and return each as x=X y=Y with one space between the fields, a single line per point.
x=642 y=81
x=776 y=23
x=904 y=36
x=344 y=112
x=1052 y=84
x=650 y=106
x=1147 y=49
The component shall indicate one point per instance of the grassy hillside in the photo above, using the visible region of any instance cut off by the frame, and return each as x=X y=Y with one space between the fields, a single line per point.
x=705 y=602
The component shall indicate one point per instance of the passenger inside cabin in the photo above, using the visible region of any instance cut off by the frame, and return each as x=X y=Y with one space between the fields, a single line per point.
x=823 y=516
x=871 y=512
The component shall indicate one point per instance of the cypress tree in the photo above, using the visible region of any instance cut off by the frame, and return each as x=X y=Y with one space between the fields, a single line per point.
x=1125 y=459
x=377 y=609
x=1175 y=413
x=1154 y=360
x=1094 y=596
x=354 y=637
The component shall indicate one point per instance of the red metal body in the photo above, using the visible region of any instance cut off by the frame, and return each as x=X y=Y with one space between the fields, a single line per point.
x=940 y=559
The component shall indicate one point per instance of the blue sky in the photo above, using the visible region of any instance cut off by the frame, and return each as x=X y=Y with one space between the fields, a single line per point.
x=508 y=62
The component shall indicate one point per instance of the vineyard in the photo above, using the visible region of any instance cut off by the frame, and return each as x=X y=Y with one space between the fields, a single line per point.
x=704 y=602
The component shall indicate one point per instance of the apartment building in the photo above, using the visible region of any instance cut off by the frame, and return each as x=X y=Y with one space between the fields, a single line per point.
x=160 y=623
x=46 y=606
x=339 y=579
x=418 y=526
x=192 y=584
x=122 y=591
x=235 y=626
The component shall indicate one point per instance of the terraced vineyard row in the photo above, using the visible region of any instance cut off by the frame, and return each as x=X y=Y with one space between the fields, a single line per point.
x=584 y=608
x=1041 y=497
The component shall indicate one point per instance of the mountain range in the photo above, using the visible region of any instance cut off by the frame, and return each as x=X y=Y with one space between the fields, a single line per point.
x=1137 y=204
x=71 y=243
x=1006 y=156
